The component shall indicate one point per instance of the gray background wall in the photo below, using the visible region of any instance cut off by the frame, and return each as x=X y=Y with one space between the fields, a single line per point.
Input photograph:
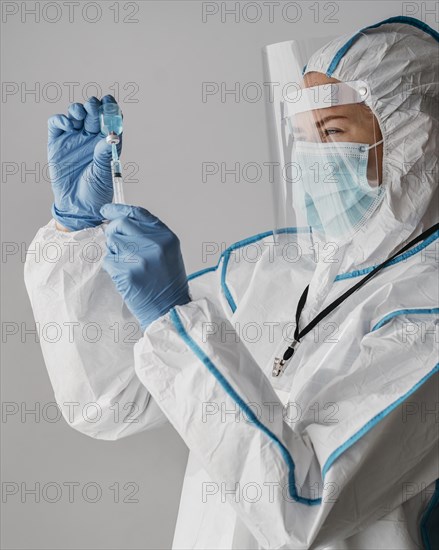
x=158 y=63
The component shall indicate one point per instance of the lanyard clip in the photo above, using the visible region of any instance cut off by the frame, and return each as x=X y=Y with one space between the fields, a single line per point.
x=278 y=367
x=280 y=364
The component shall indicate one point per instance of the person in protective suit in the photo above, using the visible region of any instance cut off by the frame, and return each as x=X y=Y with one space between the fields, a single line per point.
x=332 y=442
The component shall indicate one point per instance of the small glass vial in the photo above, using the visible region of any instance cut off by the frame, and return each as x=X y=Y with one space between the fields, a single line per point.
x=110 y=117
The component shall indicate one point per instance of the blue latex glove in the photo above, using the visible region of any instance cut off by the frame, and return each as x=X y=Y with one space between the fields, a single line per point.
x=79 y=165
x=144 y=261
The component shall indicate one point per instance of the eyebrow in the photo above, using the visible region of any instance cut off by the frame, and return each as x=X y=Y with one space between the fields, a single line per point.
x=328 y=118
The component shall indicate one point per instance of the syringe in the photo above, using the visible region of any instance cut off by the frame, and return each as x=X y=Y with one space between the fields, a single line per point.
x=116 y=173
x=111 y=125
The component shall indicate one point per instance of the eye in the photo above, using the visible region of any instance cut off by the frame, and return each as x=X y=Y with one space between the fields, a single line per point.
x=332 y=131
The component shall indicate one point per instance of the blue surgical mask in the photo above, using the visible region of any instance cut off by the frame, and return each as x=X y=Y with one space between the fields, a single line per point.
x=338 y=196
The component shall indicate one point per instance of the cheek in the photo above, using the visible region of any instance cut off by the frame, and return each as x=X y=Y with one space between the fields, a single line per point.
x=362 y=128
x=361 y=134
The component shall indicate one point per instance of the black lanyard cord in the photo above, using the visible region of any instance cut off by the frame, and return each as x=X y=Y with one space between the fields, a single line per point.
x=279 y=364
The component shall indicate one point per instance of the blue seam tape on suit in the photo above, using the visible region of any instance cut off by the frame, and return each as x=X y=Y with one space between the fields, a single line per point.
x=397 y=260
x=201 y=272
x=413 y=311
x=400 y=19
x=192 y=345
x=240 y=244
x=373 y=422
x=284 y=451
x=226 y=255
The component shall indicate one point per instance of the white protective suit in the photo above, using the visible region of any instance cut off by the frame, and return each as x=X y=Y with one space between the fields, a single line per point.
x=351 y=461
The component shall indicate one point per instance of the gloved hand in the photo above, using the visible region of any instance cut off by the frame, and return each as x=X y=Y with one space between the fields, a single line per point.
x=144 y=261
x=80 y=165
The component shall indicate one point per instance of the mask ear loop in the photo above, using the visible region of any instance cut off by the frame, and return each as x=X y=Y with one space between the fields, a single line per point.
x=375 y=145
x=364 y=148
x=376 y=159
x=368 y=148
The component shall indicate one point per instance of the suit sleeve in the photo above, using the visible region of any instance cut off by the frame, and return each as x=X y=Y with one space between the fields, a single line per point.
x=87 y=335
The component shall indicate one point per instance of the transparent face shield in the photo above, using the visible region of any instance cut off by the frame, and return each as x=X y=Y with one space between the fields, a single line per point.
x=326 y=146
